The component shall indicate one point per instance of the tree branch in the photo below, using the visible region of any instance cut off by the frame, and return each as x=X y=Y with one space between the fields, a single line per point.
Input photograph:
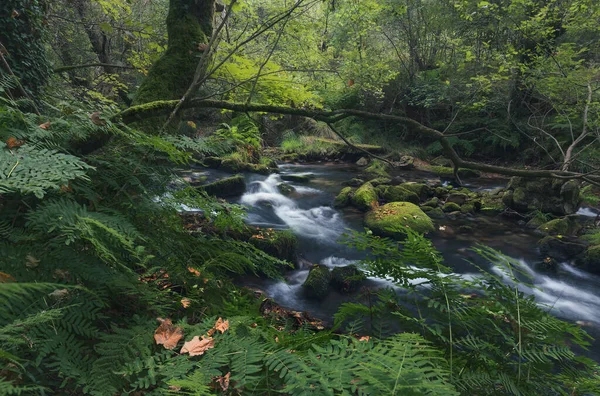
x=85 y=65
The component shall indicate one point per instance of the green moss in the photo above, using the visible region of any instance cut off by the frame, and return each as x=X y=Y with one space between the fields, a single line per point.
x=469 y=207
x=450 y=207
x=228 y=187
x=364 y=197
x=436 y=213
x=441 y=192
x=282 y=244
x=285 y=189
x=380 y=181
x=592 y=257
x=378 y=168
x=343 y=198
x=422 y=190
x=347 y=278
x=562 y=226
x=433 y=202
x=317 y=284
x=398 y=194
x=354 y=182
x=394 y=218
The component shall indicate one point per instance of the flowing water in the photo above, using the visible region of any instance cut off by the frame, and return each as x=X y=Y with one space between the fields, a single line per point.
x=569 y=293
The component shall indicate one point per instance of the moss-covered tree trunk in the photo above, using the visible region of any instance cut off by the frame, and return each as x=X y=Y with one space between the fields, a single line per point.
x=189 y=26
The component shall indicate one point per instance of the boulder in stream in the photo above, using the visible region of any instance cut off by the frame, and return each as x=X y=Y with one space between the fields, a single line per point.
x=547 y=195
x=560 y=249
x=347 y=279
x=423 y=191
x=317 y=284
x=591 y=259
x=286 y=189
x=397 y=194
x=227 y=187
x=562 y=226
x=364 y=197
x=394 y=218
x=457 y=198
x=343 y=198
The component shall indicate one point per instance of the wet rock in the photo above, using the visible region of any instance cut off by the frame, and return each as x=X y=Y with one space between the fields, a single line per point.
x=317 y=284
x=355 y=182
x=562 y=226
x=465 y=229
x=304 y=178
x=560 y=248
x=397 y=194
x=364 y=197
x=228 y=187
x=394 y=218
x=347 y=279
x=591 y=259
x=363 y=161
x=469 y=207
x=441 y=192
x=380 y=181
x=433 y=202
x=343 y=198
x=212 y=162
x=436 y=213
x=451 y=207
x=406 y=162
x=286 y=189
x=378 y=169
x=282 y=244
x=423 y=191
x=457 y=198
x=547 y=195
x=235 y=165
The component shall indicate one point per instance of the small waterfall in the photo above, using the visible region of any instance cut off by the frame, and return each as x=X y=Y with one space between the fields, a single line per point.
x=321 y=223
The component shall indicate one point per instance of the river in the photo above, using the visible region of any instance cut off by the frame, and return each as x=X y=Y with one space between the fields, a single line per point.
x=568 y=293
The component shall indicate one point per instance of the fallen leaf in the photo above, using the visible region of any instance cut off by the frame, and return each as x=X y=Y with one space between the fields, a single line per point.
x=5 y=278
x=95 y=117
x=223 y=381
x=31 y=262
x=221 y=325
x=442 y=228
x=197 y=346
x=364 y=338
x=59 y=293
x=14 y=14
x=186 y=302
x=194 y=271
x=276 y=339
x=13 y=142
x=45 y=125
x=350 y=83
x=167 y=335
x=66 y=188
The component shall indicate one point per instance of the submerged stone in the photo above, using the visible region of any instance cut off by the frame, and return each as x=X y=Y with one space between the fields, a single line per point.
x=394 y=218
x=297 y=178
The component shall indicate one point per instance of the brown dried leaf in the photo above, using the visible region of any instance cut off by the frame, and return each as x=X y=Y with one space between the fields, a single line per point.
x=364 y=338
x=95 y=117
x=5 y=278
x=167 y=335
x=202 y=47
x=222 y=325
x=45 y=125
x=194 y=271
x=13 y=142
x=186 y=302
x=223 y=381
x=14 y=14
x=197 y=346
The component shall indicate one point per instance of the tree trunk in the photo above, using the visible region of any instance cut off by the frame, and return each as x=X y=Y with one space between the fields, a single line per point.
x=189 y=26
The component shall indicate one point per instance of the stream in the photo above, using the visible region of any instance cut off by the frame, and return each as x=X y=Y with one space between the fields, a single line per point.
x=569 y=293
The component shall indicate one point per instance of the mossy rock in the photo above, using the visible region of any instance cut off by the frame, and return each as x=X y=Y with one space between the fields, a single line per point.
x=450 y=207
x=378 y=168
x=394 y=218
x=423 y=191
x=591 y=259
x=228 y=187
x=347 y=278
x=469 y=207
x=426 y=208
x=457 y=198
x=234 y=165
x=316 y=285
x=212 y=162
x=441 y=192
x=282 y=244
x=436 y=213
x=560 y=248
x=397 y=194
x=433 y=202
x=380 y=181
x=343 y=198
x=562 y=226
x=354 y=182
x=364 y=197
x=297 y=178
x=535 y=222
x=286 y=189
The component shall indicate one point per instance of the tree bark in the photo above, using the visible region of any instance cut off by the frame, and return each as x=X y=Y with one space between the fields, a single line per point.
x=189 y=26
